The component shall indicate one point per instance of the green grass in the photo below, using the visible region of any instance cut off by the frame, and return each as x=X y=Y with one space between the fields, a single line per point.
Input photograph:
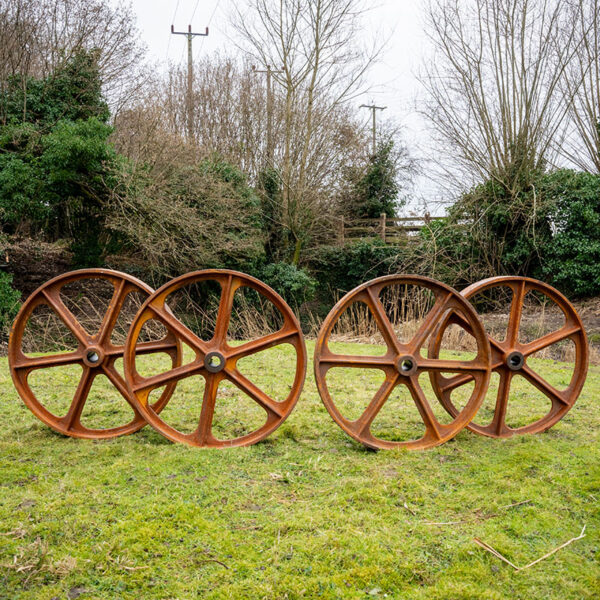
x=308 y=513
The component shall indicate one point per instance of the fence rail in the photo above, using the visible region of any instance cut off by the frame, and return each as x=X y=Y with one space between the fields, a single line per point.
x=391 y=230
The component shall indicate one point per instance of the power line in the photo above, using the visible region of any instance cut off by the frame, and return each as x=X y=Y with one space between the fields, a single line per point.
x=195 y=9
x=175 y=12
x=172 y=21
x=209 y=23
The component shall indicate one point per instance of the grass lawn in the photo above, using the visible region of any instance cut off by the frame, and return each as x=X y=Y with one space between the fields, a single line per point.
x=308 y=513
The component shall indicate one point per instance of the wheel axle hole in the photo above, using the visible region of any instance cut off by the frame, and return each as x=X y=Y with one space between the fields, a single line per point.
x=406 y=365
x=214 y=361
x=515 y=361
x=93 y=357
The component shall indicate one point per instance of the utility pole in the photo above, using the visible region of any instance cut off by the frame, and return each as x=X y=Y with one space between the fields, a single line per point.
x=269 y=71
x=374 y=110
x=190 y=77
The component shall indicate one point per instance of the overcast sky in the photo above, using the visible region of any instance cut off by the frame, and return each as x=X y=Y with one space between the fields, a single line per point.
x=393 y=81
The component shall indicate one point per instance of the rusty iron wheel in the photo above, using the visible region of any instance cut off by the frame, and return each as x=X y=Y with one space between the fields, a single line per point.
x=403 y=362
x=215 y=360
x=95 y=353
x=509 y=358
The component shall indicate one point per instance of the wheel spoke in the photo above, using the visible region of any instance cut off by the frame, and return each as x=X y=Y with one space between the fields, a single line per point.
x=112 y=312
x=451 y=383
x=383 y=323
x=450 y=366
x=365 y=421
x=79 y=399
x=550 y=339
x=430 y=322
x=516 y=309
x=147 y=384
x=541 y=384
x=66 y=316
x=228 y=290
x=263 y=343
x=179 y=329
x=431 y=423
x=44 y=362
x=246 y=386
x=145 y=348
x=204 y=431
x=502 y=397
x=117 y=380
x=356 y=362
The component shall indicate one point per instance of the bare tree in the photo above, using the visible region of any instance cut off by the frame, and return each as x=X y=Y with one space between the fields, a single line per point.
x=39 y=35
x=313 y=43
x=495 y=98
x=582 y=82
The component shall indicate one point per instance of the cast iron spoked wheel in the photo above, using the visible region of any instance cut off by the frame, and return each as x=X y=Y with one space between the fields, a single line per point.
x=215 y=360
x=403 y=362
x=95 y=353
x=509 y=358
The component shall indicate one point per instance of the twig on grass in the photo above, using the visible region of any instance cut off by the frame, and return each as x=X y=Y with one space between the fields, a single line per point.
x=497 y=554
x=215 y=561
x=412 y=512
x=516 y=504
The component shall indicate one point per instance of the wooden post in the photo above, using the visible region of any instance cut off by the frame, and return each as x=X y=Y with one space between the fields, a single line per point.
x=341 y=234
x=382 y=219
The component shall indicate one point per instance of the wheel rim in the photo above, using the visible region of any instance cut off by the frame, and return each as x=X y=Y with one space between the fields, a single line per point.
x=95 y=353
x=215 y=361
x=403 y=363
x=509 y=358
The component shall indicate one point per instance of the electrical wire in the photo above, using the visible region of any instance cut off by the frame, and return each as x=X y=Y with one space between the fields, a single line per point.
x=195 y=9
x=209 y=22
x=170 y=35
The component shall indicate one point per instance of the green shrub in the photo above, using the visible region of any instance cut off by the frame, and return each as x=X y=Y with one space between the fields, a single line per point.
x=571 y=259
x=54 y=151
x=295 y=285
x=10 y=300
x=338 y=269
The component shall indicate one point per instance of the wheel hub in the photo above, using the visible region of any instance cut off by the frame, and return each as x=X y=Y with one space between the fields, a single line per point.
x=93 y=357
x=214 y=362
x=515 y=360
x=406 y=365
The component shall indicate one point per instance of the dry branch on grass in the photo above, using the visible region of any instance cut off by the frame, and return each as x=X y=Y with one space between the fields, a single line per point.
x=497 y=554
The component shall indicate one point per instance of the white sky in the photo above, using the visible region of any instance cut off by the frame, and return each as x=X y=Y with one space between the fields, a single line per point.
x=393 y=81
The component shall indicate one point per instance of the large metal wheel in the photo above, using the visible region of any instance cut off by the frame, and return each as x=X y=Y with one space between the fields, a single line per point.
x=95 y=352
x=404 y=362
x=215 y=360
x=509 y=358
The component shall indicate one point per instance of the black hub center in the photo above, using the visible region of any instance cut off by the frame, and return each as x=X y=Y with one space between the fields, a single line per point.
x=93 y=357
x=214 y=362
x=406 y=365
x=515 y=361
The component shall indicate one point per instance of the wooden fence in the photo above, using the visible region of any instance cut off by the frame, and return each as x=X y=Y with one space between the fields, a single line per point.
x=391 y=231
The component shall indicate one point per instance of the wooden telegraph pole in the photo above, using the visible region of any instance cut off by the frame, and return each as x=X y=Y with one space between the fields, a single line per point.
x=270 y=146
x=374 y=110
x=190 y=76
